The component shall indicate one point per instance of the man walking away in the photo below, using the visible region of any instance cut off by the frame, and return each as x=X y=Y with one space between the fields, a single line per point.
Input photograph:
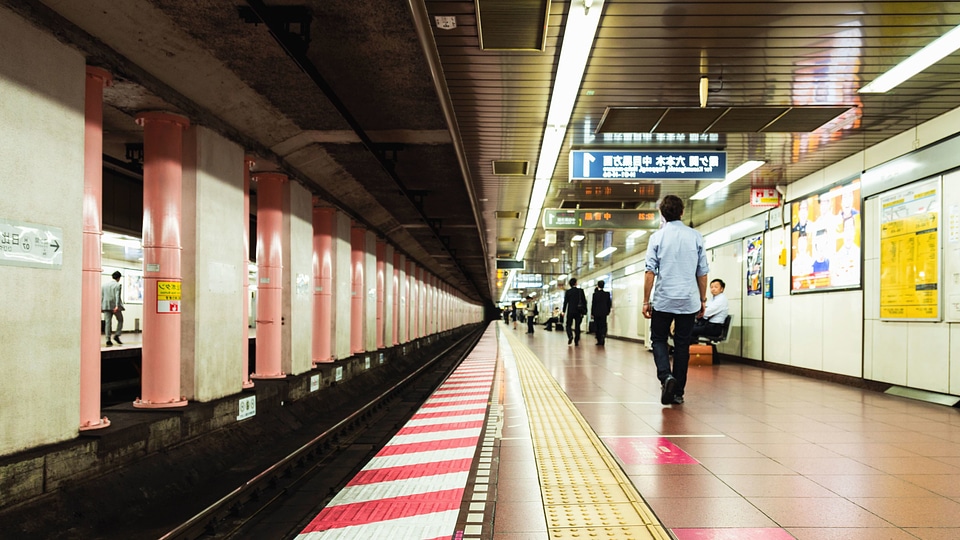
x=111 y=304
x=600 y=308
x=676 y=258
x=574 y=308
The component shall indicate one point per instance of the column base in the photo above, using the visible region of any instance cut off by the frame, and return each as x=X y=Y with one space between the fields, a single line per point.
x=247 y=385
x=142 y=404
x=100 y=424
x=280 y=375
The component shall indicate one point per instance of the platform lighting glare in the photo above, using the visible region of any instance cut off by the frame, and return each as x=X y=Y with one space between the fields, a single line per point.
x=732 y=176
x=554 y=260
x=578 y=36
x=562 y=277
x=606 y=252
x=636 y=234
x=553 y=282
x=577 y=238
x=917 y=62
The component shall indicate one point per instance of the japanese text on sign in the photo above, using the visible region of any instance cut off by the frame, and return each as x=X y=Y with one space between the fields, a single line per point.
x=660 y=165
x=168 y=297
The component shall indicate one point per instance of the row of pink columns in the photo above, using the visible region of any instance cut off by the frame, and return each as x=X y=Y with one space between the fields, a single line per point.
x=248 y=164
x=163 y=136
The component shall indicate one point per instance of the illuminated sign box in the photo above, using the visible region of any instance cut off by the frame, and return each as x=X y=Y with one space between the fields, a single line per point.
x=648 y=165
x=557 y=218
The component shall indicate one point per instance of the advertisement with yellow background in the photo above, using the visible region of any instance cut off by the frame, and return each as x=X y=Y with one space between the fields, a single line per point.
x=909 y=253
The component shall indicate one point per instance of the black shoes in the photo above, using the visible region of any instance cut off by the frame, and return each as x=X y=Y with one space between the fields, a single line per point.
x=569 y=340
x=666 y=394
x=109 y=344
x=678 y=400
x=117 y=339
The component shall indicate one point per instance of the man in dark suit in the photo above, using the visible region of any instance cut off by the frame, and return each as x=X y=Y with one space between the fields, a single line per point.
x=600 y=308
x=574 y=308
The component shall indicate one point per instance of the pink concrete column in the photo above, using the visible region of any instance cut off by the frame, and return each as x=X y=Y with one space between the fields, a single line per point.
x=358 y=237
x=381 y=289
x=421 y=303
x=396 y=298
x=323 y=224
x=248 y=163
x=92 y=231
x=269 y=274
x=413 y=303
x=162 y=203
x=428 y=315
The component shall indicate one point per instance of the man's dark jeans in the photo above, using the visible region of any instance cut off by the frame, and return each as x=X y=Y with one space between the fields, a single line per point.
x=659 y=332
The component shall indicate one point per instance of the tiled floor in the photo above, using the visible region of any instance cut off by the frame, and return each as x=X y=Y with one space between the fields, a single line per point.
x=775 y=453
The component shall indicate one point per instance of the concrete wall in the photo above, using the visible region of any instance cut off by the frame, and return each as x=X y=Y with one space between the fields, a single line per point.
x=213 y=266
x=41 y=148
x=296 y=332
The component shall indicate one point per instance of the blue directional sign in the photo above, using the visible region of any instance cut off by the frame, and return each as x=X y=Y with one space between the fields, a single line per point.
x=649 y=165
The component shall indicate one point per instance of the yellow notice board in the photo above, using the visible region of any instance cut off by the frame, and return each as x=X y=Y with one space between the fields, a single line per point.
x=910 y=252
x=168 y=297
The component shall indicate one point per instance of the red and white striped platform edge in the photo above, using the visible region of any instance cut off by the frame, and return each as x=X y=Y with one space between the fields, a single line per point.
x=412 y=489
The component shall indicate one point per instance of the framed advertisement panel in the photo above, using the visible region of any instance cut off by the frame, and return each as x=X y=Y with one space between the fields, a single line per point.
x=825 y=240
x=910 y=252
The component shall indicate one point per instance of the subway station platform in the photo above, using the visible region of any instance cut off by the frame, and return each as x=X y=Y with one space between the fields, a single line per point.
x=572 y=442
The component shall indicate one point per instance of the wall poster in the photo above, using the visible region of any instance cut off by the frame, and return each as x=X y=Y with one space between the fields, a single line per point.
x=910 y=252
x=755 y=265
x=825 y=240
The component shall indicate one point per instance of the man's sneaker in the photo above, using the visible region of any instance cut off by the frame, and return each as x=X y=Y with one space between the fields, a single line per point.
x=569 y=340
x=117 y=339
x=678 y=400
x=109 y=344
x=666 y=394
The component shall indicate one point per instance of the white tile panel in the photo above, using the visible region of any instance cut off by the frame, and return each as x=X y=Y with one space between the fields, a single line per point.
x=928 y=365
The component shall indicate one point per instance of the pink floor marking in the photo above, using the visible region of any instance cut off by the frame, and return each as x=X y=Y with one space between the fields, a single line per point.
x=647 y=451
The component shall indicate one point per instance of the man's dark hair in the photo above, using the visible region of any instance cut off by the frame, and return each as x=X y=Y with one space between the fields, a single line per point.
x=720 y=281
x=671 y=207
x=600 y=284
x=116 y=274
x=573 y=281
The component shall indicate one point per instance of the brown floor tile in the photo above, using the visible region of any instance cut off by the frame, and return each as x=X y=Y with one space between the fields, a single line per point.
x=817 y=512
x=913 y=512
x=866 y=449
x=870 y=485
x=510 y=491
x=723 y=465
x=699 y=449
x=934 y=534
x=846 y=533
x=947 y=485
x=516 y=517
x=917 y=465
x=840 y=465
x=691 y=485
x=808 y=450
x=689 y=512
x=750 y=485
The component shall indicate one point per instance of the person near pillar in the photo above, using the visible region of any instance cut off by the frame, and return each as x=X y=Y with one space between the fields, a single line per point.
x=599 y=309
x=574 y=308
x=677 y=261
x=111 y=304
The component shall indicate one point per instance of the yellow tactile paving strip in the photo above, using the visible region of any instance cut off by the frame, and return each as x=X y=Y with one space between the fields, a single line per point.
x=585 y=493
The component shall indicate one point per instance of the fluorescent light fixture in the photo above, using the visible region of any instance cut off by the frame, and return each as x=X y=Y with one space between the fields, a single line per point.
x=506 y=289
x=636 y=234
x=578 y=36
x=577 y=238
x=732 y=176
x=554 y=260
x=704 y=90
x=562 y=277
x=606 y=252
x=917 y=62
x=121 y=240
x=553 y=282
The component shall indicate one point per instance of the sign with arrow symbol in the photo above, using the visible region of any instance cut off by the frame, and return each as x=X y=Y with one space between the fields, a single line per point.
x=30 y=244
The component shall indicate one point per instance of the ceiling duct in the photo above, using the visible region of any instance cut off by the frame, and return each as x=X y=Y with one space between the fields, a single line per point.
x=512 y=25
x=506 y=214
x=506 y=167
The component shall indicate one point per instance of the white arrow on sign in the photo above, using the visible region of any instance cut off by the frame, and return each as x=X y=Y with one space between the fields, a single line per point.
x=587 y=160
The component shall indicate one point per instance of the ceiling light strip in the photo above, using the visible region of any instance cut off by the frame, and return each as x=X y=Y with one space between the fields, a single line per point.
x=915 y=63
x=734 y=175
x=578 y=35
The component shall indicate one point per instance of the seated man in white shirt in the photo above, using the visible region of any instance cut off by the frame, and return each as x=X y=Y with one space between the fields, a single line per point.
x=714 y=314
